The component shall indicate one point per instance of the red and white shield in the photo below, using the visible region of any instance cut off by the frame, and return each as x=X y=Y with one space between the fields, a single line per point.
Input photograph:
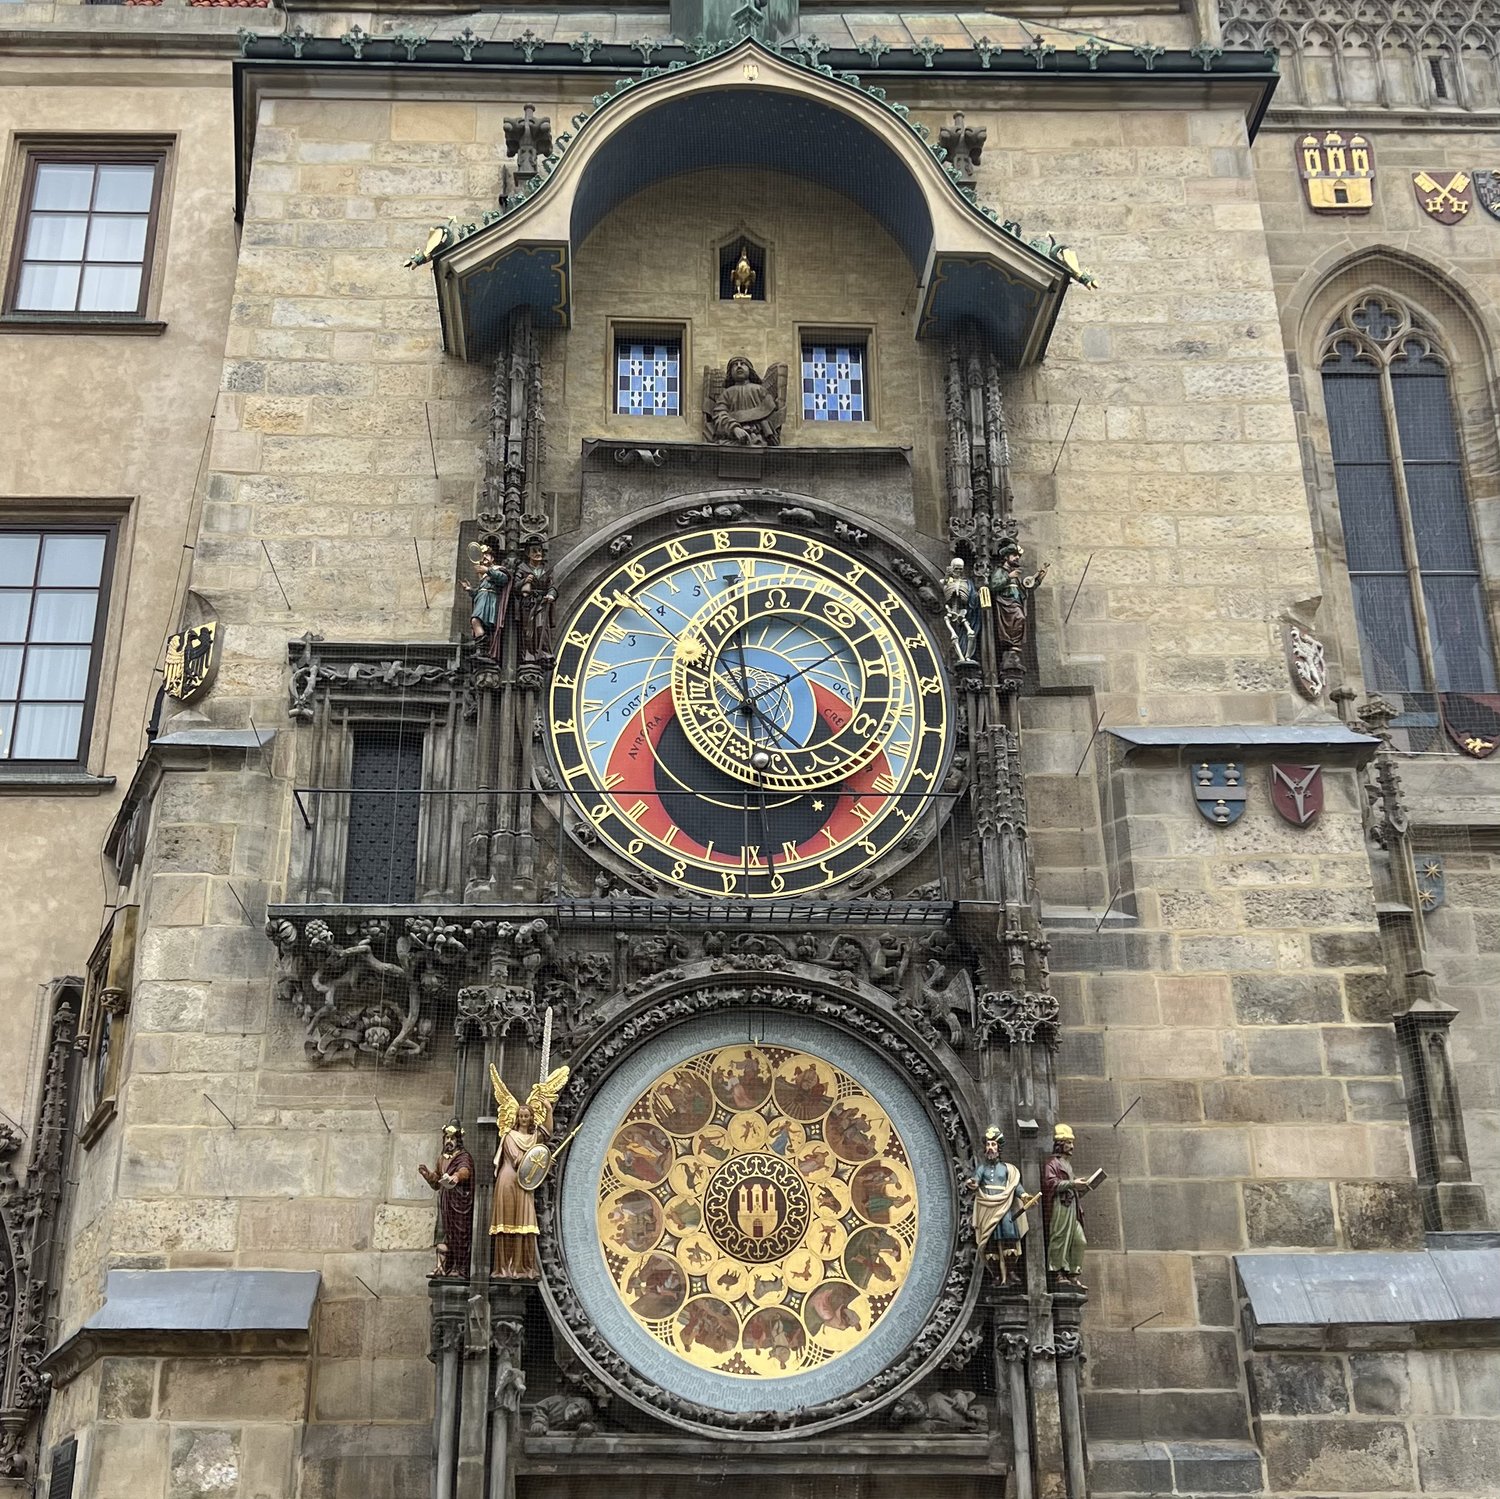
x=1297 y=792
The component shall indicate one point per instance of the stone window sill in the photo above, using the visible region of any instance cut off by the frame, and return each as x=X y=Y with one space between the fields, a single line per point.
x=16 y=780
x=14 y=322
x=98 y=1122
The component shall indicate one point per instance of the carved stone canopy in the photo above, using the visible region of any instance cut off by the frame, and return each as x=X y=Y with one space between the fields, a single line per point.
x=751 y=107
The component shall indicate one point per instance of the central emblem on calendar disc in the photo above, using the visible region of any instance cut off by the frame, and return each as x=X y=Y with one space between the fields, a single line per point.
x=756 y=1208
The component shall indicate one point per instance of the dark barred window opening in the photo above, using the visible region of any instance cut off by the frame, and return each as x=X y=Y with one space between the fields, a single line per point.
x=385 y=811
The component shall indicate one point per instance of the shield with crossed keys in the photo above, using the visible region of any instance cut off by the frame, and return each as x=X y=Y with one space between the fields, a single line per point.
x=1446 y=201
x=1297 y=792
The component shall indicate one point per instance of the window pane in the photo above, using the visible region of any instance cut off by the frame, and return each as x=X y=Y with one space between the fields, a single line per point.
x=1354 y=420
x=56 y=671
x=18 y=557
x=76 y=559
x=7 y=714
x=10 y=670
x=833 y=382
x=125 y=189
x=56 y=236
x=64 y=614
x=15 y=610
x=117 y=238
x=1460 y=636
x=1440 y=517
x=61 y=186
x=1372 y=529
x=110 y=288
x=47 y=288
x=648 y=377
x=47 y=732
x=1424 y=415
x=1387 y=635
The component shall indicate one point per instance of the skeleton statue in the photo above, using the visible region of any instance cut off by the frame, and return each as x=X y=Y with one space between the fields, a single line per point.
x=961 y=612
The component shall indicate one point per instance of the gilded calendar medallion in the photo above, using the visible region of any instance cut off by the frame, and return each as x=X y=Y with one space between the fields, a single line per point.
x=757 y=1211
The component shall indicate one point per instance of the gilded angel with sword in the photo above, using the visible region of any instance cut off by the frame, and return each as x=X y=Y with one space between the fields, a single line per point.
x=522 y=1160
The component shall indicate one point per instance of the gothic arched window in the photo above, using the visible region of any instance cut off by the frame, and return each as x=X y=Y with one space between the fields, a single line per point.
x=1419 y=598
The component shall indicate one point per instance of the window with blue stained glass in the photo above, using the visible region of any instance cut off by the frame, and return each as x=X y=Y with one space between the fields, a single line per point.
x=648 y=377
x=833 y=383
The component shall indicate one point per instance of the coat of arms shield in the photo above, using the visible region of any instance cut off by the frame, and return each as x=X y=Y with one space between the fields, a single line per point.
x=1432 y=881
x=1444 y=196
x=1487 y=191
x=1219 y=790
x=1472 y=721
x=1297 y=792
x=191 y=661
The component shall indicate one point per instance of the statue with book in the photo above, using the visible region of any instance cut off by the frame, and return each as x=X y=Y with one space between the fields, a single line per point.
x=1061 y=1191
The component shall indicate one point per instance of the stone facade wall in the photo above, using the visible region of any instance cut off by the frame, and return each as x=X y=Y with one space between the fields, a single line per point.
x=1406 y=1420
x=1226 y=1062
x=97 y=424
x=1453 y=275
x=1226 y=1055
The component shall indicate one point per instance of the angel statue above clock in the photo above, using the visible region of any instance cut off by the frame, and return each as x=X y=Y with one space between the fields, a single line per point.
x=741 y=409
x=523 y=1157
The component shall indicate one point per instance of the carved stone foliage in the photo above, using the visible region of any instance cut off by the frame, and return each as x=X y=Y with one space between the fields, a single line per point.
x=950 y=1316
x=1020 y=1016
x=380 y=986
x=1355 y=52
x=28 y=1228
x=318 y=665
x=926 y=976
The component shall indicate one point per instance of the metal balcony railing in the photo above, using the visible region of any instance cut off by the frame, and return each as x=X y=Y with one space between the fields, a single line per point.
x=405 y=847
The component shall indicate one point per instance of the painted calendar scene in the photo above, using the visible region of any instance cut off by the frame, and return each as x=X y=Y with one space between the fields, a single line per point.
x=757 y=1211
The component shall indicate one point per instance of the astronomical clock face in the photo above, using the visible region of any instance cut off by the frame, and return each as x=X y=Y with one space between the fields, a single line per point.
x=749 y=711
x=757 y=1211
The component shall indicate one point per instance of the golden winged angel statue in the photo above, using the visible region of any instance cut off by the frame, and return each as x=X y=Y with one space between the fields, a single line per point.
x=522 y=1160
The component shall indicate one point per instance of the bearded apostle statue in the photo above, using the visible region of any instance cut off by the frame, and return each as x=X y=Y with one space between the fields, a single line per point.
x=999 y=1207
x=453 y=1181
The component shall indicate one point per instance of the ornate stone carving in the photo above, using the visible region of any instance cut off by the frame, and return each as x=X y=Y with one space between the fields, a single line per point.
x=1021 y=1016
x=1388 y=821
x=944 y=1004
x=963 y=1351
x=527 y=136
x=377 y=986
x=941 y=1410
x=1308 y=662
x=1347 y=38
x=1014 y=1346
x=742 y=410
x=28 y=1227
x=964 y=144
x=314 y=666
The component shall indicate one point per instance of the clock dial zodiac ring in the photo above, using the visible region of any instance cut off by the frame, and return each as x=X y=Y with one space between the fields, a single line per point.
x=749 y=711
x=757 y=1211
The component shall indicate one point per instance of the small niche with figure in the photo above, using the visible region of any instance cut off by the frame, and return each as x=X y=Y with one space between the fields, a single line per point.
x=742 y=270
